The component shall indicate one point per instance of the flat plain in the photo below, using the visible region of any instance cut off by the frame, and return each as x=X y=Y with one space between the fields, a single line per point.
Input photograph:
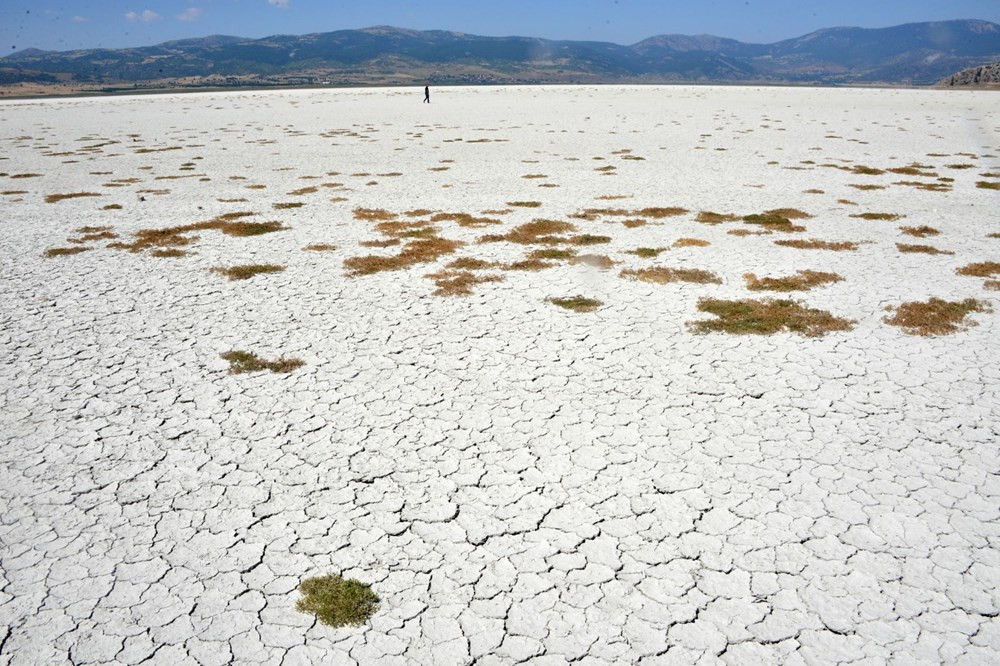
x=657 y=375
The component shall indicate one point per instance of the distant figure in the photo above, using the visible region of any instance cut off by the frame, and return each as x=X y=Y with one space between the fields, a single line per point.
x=427 y=94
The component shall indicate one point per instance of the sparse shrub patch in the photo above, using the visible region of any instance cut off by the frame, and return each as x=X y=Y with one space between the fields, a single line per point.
x=935 y=316
x=552 y=253
x=920 y=232
x=63 y=251
x=320 y=247
x=459 y=282
x=528 y=265
x=984 y=269
x=373 y=214
x=920 y=249
x=801 y=281
x=814 y=244
x=53 y=198
x=664 y=275
x=647 y=252
x=524 y=204
x=577 y=303
x=337 y=602
x=773 y=222
x=766 y=317
x=247 y=271
x=877 y=216
x=708 y=217
x=691 y=242
x=589 y=239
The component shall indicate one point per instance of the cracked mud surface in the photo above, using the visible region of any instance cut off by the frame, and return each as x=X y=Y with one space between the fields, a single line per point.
x=517 y=483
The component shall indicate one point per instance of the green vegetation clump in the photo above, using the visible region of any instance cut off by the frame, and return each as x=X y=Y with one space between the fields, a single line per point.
x=336 y=601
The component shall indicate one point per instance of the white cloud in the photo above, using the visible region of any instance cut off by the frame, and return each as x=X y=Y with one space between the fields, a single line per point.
x=278 y=3
x=79 y=19
x=146 y=16
x=190 y=14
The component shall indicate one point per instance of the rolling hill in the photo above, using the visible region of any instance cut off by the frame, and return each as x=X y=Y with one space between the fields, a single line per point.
x=915 y=54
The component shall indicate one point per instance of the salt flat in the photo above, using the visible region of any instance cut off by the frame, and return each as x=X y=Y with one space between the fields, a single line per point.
x=518 y=482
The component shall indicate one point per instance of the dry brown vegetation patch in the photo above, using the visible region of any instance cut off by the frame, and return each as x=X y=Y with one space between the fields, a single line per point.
x=664 y=275
x=170 y=253
x=935 y=316
x=320 y=247
x=552 y=253
x=985 y=269
x=708 y=217
x=987 y=185
x=814 y=244
x=524 y=204
x=588 y=239
x=789 y=213
x=466 y=220
x=878 y=216
x=419 y=251
x=459 y=282
x=53 y=198
x=633 y=223
x=288 y=204
x=528 y=265
x=691 y=242
x=373 y=214
x=920 y=249
x=647 y=252
x=868 y=187
x=63 y=251
x=539 y=231
x=801 y=281
x=241 y=362
x=659 y=213
x=247 y=271
x=773 y=222
x=576 y=303
x=766 y=317
x=920 y=232
x=470 y=264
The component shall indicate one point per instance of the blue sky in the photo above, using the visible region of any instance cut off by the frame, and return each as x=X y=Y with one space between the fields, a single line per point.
x=75 y=24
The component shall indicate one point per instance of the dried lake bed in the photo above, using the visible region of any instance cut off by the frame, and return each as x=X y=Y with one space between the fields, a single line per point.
x=690 y=463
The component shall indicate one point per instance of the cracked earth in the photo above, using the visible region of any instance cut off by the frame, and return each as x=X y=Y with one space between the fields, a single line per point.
x=518 y=483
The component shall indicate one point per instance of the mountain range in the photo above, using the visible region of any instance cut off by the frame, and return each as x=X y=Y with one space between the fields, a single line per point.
x=911 y=54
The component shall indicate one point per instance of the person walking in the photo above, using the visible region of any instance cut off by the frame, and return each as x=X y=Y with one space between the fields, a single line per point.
x=427 y=94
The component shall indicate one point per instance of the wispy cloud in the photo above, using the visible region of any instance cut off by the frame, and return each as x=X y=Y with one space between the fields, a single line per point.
x=79 y=19
x=190 y=14
x=278 y=3
x=147 y=16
